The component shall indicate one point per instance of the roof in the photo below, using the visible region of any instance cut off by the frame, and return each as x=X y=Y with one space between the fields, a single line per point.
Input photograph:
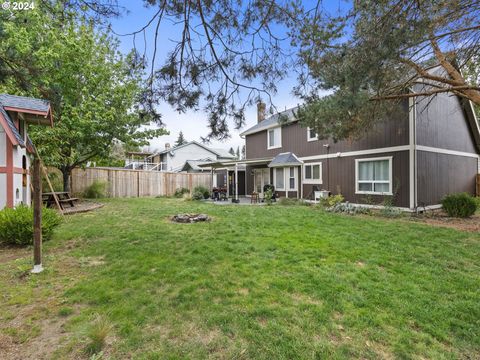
x=288 y=116
x=194 y=165
x=21 y=104
x=25 y=103
x=222 y=153
x=285 y=159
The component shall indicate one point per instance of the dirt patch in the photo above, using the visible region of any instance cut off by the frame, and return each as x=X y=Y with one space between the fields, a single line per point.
x=82 y=207
x=9 y=253
x=440 y=219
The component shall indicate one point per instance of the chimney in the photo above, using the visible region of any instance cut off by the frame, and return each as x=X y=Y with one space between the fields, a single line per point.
x=167 y=146
x=261 y=108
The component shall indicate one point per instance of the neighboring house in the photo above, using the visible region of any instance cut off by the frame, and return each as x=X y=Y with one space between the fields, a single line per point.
x=424 y=152
x=16 y=149
x=184 y=157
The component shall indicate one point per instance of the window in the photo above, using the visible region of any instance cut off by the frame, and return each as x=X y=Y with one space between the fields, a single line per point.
x=279 y=177
x=311 y=135
x=274 y=138
x=312 y=173
x=374 y=176
x=292 y=178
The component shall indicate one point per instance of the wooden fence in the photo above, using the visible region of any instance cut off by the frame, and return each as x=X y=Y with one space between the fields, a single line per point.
x=478 y=184
x=137 y=183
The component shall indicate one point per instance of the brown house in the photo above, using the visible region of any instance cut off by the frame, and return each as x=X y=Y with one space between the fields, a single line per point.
x=430 y=148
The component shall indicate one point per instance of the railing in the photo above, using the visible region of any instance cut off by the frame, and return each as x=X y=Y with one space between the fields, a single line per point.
x=144 y=165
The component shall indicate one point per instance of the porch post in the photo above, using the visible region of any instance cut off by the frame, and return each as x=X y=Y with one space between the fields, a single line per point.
x=236 y=181
x=37 y=217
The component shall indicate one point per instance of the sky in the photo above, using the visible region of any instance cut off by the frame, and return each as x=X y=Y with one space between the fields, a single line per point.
x=193 y=123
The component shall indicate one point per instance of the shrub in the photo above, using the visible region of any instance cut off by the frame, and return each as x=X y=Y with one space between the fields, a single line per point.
x=95 y=190
x=180 y=192
x=197 y=195
x=16 y=225
x=461 y=205
x=348 y=209
x=292 y=201
x=268 y=196
x=332 y=200
x=202 y=189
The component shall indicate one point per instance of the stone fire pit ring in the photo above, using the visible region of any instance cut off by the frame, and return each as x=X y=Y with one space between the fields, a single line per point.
x=190 y=218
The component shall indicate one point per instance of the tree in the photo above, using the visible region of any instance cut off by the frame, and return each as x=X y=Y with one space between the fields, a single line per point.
x=180 y=140
x=94 y=90
x=231 y=151
x=237 y=153
x=380 y=52
x=244 y=152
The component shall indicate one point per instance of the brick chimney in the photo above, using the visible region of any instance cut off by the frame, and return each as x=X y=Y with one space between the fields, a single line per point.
x=261 y=109
x=167 y=146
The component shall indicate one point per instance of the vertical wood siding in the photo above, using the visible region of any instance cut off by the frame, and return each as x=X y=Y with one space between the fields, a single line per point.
x=442 y=174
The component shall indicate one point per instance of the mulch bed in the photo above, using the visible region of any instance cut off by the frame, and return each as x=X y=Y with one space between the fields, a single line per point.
x=441 y=219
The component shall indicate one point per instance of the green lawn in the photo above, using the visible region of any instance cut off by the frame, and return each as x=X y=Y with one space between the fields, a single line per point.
x=278 y=282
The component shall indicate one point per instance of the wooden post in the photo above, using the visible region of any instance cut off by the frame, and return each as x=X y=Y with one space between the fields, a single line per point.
x=37 y=217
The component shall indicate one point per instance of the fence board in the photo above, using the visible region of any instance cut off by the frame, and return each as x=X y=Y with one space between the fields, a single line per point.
x=478 y=184
x=136 y=183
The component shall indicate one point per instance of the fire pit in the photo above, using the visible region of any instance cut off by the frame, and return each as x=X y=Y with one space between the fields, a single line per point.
x=190 y=218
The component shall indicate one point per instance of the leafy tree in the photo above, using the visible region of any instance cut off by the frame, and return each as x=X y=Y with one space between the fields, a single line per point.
x=380 y=52
x=94 y=90
x=180 y=140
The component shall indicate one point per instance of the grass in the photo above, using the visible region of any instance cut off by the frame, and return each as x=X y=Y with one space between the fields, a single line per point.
x=277 y=282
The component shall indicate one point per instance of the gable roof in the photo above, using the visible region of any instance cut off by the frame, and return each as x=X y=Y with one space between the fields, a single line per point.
x=472 y=120
x=285 y=159
x=194 y=164
x=221 y=154
x=272 y=121
x=21 y=104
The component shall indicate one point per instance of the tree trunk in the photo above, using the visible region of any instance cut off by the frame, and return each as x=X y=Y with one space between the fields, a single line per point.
x=66 y=172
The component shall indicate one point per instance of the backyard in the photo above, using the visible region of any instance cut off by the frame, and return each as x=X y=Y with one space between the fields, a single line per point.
x=263 y=282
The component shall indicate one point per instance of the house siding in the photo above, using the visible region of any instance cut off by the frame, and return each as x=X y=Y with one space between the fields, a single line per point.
x=389 y=133
x=442 y=174
x=441 y=124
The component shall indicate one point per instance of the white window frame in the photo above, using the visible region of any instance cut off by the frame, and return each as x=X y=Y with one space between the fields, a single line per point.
x=295 y=177
x=275 y=179
x=312 y=181
x=309 y=138
x=390 y=177
x=269 y=147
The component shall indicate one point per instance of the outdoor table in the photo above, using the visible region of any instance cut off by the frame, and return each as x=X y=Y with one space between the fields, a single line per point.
x=62 y=196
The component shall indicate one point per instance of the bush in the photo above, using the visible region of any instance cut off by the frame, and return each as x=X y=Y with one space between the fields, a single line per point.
x=180 y=192
x=460 y=205
x=268 y=196
x=197 y=195
x=292 y=201
x=332 y=200
x=349 y=209
x=202 y=189
x=16 y=225
x=96 y=190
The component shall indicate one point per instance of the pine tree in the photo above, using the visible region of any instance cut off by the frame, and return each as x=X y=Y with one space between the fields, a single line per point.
x=244 y=152
x=237 y=154
x=231 y=151
x=181 y=139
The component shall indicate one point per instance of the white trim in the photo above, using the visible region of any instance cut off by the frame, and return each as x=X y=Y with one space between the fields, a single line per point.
x=312 y=181
x=315 y=138
x=357 y=153
x=275 y=179
x=390 y=170
x=268 y=138
x=446 y=151
x=295 y=176
x=412 y=152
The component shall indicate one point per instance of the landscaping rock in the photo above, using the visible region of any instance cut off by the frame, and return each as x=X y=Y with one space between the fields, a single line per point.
x=190 y=218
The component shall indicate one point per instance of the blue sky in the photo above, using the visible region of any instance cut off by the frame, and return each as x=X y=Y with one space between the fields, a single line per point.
x=193 y=124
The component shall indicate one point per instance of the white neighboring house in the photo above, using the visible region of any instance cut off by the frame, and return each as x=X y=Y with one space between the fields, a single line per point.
x=16 y=149
x=185 y=157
